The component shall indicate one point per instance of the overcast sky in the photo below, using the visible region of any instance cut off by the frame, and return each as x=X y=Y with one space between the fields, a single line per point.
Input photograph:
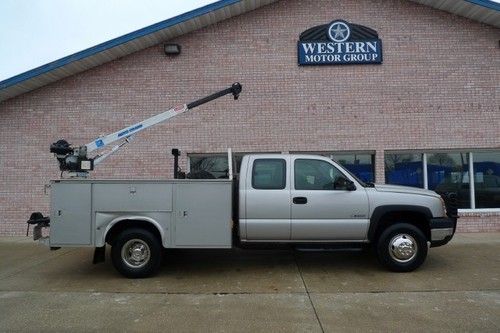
x=35 y=32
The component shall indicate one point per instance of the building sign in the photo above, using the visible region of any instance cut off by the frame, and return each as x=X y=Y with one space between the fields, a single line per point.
x=339 y=43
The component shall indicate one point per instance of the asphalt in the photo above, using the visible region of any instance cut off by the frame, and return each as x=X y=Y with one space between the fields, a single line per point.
x=456 y=290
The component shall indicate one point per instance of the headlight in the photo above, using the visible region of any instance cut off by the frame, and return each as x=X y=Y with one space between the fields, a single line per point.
x=444 y=206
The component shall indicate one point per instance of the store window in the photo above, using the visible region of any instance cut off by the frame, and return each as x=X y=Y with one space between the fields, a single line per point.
x=404 y=169
x=362 y=165
x=487 y=179
x=209 y=166
x=213 y=165
x=449 y=172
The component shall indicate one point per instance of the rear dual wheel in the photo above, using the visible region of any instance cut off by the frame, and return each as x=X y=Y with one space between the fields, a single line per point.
x=136 y=253
x=402 y=247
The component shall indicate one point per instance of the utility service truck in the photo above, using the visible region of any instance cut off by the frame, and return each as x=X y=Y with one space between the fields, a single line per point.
x=301 y=200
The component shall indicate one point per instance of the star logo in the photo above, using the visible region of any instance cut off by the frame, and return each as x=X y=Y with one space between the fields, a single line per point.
x=339 y=31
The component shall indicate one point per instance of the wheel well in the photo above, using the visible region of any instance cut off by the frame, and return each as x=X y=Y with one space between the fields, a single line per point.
x=126 y=224
x=417 y=219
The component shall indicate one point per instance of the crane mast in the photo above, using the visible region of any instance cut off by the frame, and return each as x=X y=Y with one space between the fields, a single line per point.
x=76 y=159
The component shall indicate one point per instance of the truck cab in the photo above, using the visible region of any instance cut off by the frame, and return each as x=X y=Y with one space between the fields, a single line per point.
x=300 y=198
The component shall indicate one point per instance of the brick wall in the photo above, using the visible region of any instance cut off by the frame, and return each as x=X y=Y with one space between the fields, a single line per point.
x=478 y=222
x=438 y=88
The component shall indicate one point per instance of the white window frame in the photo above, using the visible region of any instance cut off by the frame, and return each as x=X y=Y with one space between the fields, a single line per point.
x=424 y=166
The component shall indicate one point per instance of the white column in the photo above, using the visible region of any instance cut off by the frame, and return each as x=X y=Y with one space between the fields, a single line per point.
x=426 y=182
x=471 y=182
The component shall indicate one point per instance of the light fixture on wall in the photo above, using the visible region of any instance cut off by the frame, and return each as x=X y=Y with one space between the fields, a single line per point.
x=172 y=49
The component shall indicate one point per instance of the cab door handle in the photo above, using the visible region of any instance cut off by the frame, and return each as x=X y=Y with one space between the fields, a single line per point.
x=299 y=200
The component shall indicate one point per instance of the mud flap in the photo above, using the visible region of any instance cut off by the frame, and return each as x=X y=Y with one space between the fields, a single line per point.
x=99 y=254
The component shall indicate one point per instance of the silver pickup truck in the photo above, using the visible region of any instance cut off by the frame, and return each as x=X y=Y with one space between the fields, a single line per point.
x=277 y=198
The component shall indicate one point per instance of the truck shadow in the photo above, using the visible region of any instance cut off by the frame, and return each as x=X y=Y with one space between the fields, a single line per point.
x=287 y=270
x=209 y=261
x=240 y=271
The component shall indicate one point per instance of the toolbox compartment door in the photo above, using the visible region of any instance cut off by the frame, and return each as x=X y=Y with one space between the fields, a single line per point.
x=203 y=215
x=70 y=214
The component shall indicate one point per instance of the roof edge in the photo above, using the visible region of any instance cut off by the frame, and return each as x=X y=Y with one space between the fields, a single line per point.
x=486 y=3
x=114 y=42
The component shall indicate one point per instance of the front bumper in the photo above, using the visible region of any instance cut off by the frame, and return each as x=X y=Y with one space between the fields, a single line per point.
x=442 y=230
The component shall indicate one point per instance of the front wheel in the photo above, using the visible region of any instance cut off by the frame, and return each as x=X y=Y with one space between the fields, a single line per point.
x=136 y=253
x=402 y=247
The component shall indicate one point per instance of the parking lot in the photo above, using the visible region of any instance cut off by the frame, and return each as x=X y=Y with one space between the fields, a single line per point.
x=457 y=289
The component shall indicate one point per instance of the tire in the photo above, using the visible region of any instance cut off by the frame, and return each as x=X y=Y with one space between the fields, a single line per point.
x=136 y=253
x=411 y=252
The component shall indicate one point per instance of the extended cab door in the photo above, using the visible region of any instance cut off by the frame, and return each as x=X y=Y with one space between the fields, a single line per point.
x=267 y=198
x=323 y=207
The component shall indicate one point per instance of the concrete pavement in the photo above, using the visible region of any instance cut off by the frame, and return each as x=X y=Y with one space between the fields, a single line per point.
x=457 y=289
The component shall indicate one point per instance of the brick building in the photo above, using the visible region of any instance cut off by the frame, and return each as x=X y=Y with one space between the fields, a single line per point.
x=427 y=116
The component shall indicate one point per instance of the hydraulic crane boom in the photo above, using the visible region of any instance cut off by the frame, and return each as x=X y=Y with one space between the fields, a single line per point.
x=75 y=159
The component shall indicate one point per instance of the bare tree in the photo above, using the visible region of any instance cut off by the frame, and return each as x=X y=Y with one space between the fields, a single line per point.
x=442 y=159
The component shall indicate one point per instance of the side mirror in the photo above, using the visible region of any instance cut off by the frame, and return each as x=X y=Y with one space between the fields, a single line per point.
x=342 y=183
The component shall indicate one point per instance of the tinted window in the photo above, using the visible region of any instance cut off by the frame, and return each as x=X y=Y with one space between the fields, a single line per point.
x=361 y=165
x=404 y=169
x=487 y=179
x=317 y=175
x=449 y=172
x=269 y=174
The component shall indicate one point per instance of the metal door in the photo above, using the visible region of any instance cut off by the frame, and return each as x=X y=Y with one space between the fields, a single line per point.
x=268 y=198
x=320 y=212
x=70 y=214
x=203 y=214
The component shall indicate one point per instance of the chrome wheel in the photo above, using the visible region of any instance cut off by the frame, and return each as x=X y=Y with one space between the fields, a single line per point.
x=136 y=253
x=403 y=248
